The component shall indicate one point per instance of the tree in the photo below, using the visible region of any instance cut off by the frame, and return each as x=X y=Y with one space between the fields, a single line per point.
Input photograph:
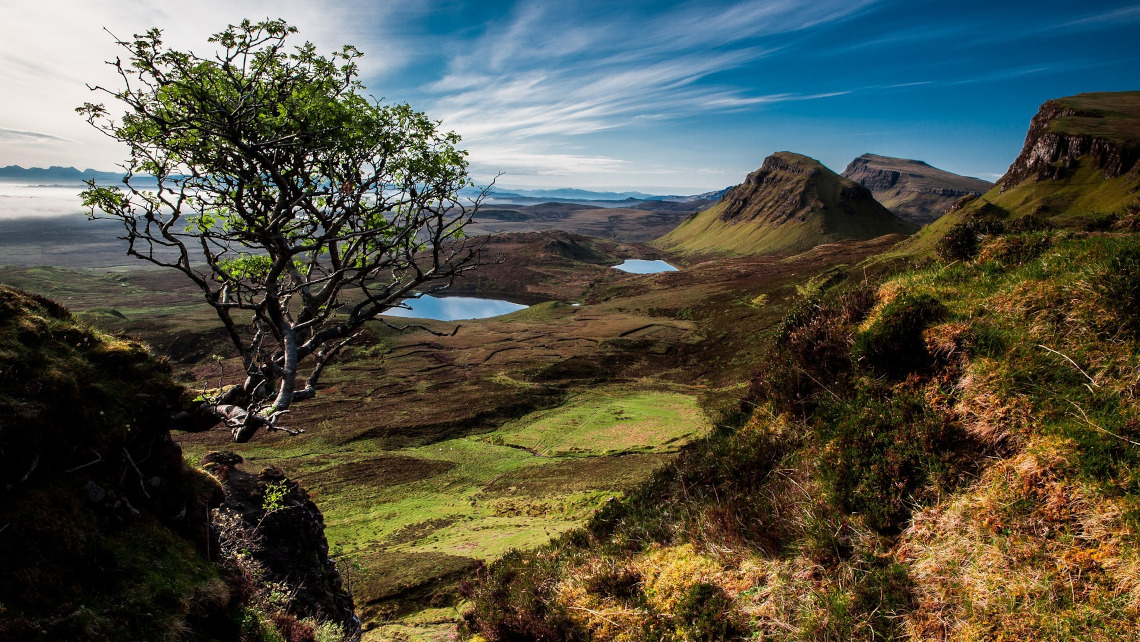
x=301 y=208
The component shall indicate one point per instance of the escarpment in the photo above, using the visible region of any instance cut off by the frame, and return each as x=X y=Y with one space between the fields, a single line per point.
x=1100 y=126
x=912 y=189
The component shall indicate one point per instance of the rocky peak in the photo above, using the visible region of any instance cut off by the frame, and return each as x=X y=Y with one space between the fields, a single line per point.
x=791 y=204
x=1102 y=126
x=787 y=186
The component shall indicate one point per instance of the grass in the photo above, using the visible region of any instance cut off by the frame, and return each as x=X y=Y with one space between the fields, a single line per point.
x=988 y=491
x=1111 y=115
x=409 y=510
x=607 y=421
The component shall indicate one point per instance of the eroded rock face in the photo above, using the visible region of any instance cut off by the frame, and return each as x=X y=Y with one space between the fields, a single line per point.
x=1050 y=150
x=273 y=519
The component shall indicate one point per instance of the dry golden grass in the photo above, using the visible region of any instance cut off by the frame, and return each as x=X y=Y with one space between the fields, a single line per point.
x=1025 y=553
x=984 y=411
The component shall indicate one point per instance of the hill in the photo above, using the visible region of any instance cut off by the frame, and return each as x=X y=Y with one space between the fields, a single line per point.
x=1079 y=168
x=911 y=189
x=950 y=454
x=791 y=204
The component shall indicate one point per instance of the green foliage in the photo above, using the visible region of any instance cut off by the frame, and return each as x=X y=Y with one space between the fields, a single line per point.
x=893 y=345
x=1119 y=285
x=274 y=499
x=885 y=456
x=704 y=612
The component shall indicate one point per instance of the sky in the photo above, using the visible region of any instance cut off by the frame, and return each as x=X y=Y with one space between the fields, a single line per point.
x=656 y=96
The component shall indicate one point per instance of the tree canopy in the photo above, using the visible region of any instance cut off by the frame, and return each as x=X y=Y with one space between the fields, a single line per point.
x=298 y=205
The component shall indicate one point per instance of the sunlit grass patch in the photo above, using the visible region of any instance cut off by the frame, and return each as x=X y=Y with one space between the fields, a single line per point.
x=607 y=420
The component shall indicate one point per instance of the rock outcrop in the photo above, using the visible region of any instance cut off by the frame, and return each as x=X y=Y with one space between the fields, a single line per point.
x=912 y=189
x=1105 y=127
x=103 y=528
x=791 y=204
x=282 y=533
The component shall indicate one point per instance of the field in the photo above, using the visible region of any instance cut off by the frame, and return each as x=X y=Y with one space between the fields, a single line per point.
x=409 y=522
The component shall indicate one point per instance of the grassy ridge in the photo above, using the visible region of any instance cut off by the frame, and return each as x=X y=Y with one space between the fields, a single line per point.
x=1113 y=116
x=951 y=454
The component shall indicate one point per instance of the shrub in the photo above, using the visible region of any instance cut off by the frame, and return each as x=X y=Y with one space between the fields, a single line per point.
x=960 y=243
x=893 y=345
x=885 y=456
x=1028 y=223
x=812 y=352
x=513 y=599
x=705 y=612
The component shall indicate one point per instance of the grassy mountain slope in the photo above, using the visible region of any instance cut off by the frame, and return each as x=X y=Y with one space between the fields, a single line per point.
x=1079 y=168
x=911 y=189
x=951 y=454
x=791 y=204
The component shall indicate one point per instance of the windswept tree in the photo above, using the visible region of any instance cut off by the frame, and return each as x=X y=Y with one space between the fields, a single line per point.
x=299 y=206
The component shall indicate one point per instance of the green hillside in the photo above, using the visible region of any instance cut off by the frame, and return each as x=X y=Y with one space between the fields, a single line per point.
x=1079 y=168
x=951 y=454
x=791 y=204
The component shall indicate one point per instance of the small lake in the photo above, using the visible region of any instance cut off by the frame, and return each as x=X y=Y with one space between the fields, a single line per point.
x=453 y=308
x=642 y=266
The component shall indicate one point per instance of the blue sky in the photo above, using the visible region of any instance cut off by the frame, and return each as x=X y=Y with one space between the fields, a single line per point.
x=664 y=97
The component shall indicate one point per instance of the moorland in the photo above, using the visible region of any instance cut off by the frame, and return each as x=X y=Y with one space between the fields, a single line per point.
x=819 y=427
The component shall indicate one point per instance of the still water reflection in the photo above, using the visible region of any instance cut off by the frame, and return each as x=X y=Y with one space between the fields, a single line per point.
x=453 y=308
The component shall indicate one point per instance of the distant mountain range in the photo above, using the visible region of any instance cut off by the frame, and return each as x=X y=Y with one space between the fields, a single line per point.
x=572 y=195
x=55 y=174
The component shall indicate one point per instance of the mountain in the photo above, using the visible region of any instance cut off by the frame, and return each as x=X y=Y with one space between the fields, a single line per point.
x=1079 y=167
x=792 y=203
x=911 y=189
x=55 y=173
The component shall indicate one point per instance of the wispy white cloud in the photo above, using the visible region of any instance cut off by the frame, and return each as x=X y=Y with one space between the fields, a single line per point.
x=553 y=73
x=1115 y=17
x=23 y=136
